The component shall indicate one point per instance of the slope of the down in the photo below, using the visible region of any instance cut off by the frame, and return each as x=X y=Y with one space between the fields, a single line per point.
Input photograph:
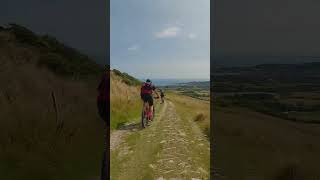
x=124 y=100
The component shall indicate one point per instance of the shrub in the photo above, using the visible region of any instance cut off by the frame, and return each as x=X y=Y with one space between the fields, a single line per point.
x=126 y=78
x=199 y=117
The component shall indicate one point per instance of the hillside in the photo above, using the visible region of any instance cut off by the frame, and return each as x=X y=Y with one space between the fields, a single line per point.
x=175 y=145
x=267 y=121
x=125 y=99
x=49 y=124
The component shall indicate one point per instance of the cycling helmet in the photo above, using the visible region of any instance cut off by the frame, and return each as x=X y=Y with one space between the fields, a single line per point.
x=148 y=81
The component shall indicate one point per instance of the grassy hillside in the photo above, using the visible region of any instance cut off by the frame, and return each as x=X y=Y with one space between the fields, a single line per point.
x=253 y=145
x=266 y=122
x=126 y=104
x=191 y=108
x=38 y=141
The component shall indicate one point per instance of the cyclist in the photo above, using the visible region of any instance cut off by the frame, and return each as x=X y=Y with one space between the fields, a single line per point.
x=147 y=90
x=162 y=96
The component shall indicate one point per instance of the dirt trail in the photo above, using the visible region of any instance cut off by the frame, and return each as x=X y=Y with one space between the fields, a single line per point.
x=171 y=148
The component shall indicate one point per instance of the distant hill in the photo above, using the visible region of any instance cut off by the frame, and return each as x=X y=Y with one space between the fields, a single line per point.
x=304 y=72
x=126 y=78
x=47 y=51
x=300 y=67
x=268 y=77
x=197 y=84
x=232 y=61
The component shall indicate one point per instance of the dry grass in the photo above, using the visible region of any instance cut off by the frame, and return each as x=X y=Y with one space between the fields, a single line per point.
x=125 y=102
x=30 y=146
x=200 y=117
x=197 y=110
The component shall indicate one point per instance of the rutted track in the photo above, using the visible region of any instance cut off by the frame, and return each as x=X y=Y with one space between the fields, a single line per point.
x=171 y=148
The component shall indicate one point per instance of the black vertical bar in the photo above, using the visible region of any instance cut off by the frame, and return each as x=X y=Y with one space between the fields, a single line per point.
x=105 y=169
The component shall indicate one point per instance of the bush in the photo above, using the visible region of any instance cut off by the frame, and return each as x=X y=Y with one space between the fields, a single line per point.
x=199 y=117
x=126 y=78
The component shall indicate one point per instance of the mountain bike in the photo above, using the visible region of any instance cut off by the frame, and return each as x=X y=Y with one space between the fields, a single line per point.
x=144 y=115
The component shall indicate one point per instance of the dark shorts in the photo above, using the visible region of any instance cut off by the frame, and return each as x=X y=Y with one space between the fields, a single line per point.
x=147 y=98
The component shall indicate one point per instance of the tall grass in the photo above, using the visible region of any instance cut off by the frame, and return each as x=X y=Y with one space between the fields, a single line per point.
x=30 y=145
x=125 y=101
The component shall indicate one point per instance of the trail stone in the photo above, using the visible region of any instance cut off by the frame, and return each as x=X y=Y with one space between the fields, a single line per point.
x=175 y=159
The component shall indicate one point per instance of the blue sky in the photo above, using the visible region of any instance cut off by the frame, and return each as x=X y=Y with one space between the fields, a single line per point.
x=161 y=38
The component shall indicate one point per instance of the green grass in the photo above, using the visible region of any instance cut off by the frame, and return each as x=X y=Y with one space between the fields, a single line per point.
x=126 y=104
x=146 y=150
x=143 y=153
x=192 y=108
x=126 y=78
x=124 y=112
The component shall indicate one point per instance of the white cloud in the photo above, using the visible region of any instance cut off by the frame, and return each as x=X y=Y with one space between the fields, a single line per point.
x=134 y=47
x=169 y=32
x=192 y=36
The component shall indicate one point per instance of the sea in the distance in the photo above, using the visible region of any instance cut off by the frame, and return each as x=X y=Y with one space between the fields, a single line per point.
x=168 y=82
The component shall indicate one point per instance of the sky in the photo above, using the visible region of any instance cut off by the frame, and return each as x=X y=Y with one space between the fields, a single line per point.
x=170 y=38
x=161 y=39
x=81 y=24
x=247 y=31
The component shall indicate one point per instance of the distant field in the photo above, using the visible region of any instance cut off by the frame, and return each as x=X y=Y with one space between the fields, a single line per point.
x=285 y=106
x=199 y=90
x=266 y=122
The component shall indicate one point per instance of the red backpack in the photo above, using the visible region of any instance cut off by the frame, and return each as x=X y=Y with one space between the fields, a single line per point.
x=146 y=88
